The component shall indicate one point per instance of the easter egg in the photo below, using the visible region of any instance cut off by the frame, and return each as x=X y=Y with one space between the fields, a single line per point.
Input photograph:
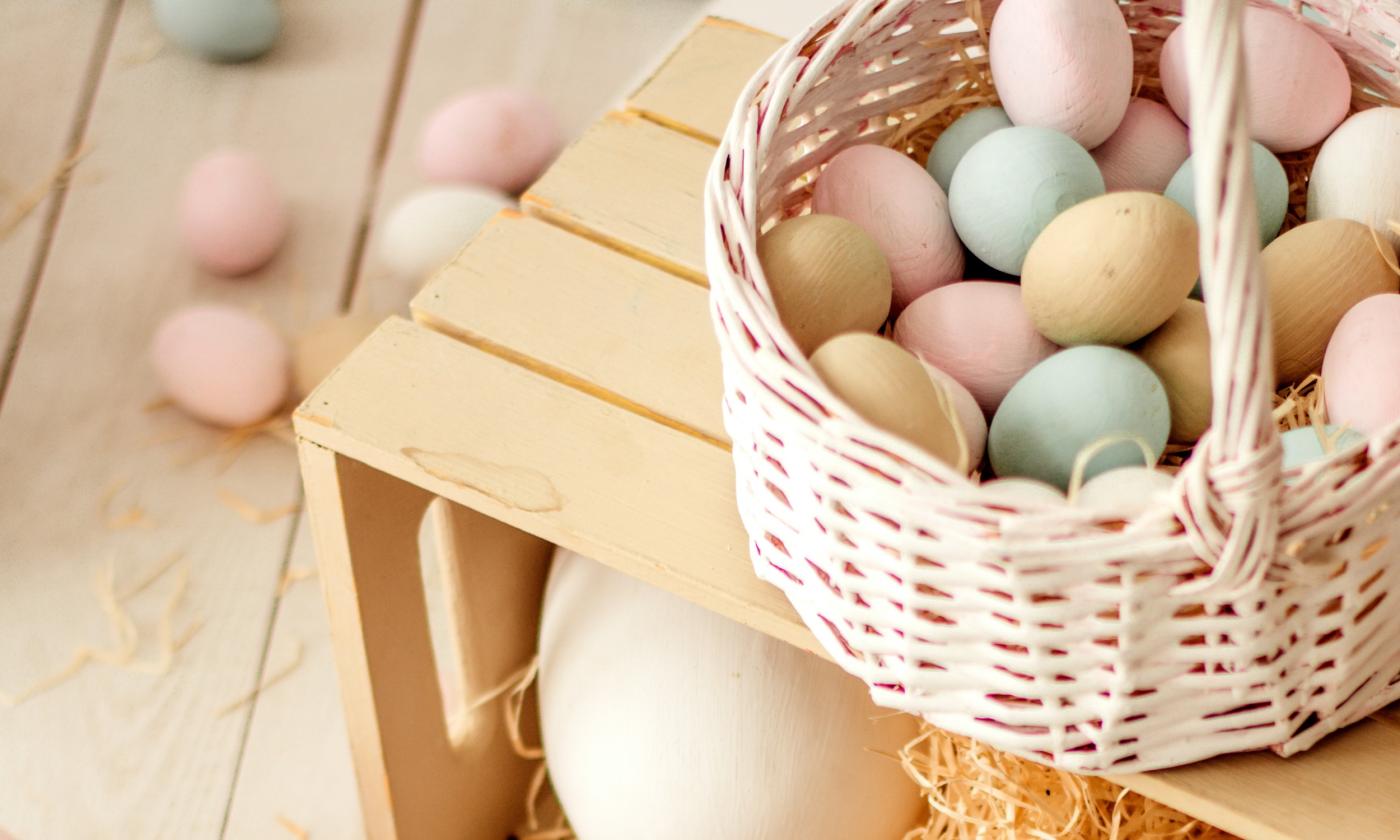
x=662 y=719
x=826 y=277
x=220 y=30
x=1066 y=65
x=1110 y=270
x=1316 y=272
x=1299 y=89
x=902 y=208
x=221 y=365
x=1023 y=492
x=324 y=345
x=968 y=412
x=978 y=333
x=501 y=138
x=1011 y=185
x=1361 y=375
x=1357 y=173
x=425 y=230
x=1308 y=445
x=1146 y=151
x=1270 y=191
x=1126 y=492
x=954 y=141
x=1179 y=353
x=232 y=218
x=886 y=385
x=1072 y=400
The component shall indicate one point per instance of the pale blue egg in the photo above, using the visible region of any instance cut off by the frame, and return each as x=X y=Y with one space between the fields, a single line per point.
x=1011 y=184
x=1304 y=446
x=220 y=30
x=1071 y=400
x=1270 y=191
x=962 y=135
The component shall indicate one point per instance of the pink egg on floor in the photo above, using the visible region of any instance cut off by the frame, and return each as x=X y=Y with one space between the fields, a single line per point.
x=496 y=137
x=978 y=332
x=221 y=364
x=1299 y=89
x=1361 y=371
x=898 y=203
x=232 y=217
x=1148 y=148
x=974 y=423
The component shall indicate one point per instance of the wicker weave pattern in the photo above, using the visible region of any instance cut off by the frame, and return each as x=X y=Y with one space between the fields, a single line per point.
x=1247 y=614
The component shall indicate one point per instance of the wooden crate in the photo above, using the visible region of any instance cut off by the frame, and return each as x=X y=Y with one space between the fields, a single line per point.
x=559 y=384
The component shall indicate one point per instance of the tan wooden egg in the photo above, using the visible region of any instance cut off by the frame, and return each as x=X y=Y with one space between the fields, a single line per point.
x=1179 y=353
x=1316 y=272
x=888 y=386
x=1110 y=270
x=827 y=277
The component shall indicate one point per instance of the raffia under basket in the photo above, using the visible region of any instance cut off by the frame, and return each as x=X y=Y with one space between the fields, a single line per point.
x=1257 y=609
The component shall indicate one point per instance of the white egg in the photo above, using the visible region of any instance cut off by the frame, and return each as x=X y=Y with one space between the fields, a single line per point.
x=426 y=230
x=1024 y=491
x=1126 y=492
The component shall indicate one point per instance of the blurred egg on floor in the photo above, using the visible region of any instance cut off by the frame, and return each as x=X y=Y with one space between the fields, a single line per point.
x=1066 y=65
x=1361 y=373
x=426 y=229
x=1110 y=270
x=496 y=137
x=1179 y=353
x=1308 y=445
x=977 y=332
x=1316 y=272
x=1357 y=173
x=1270 y=191
x=954 y=141
x=221 y=364
x=902 y=208
x=826 y=277
x=969 y=413
x=1146 y=150
x=232 y=217
x=1073 y=400
x=220 y=30
x=324 y=345
x=1011 y=185
x=662 y=719
x=1298 y=91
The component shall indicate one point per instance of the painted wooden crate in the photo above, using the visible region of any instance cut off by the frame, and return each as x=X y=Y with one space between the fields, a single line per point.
x=559 y=384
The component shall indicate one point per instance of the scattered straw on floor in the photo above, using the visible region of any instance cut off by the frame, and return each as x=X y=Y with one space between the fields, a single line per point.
x=35 y=195
x=272 y=679
x=250 y=512
x=293 y=827
x=132 y=516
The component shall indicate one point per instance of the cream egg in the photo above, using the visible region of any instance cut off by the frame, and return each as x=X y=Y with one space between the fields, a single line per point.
x=1126 y=492
x=1361 y=374
x=1357 y=173
x=221 y=364
x=425 y=230
x=502 y=138
x=1146 y=150
x=232 y=218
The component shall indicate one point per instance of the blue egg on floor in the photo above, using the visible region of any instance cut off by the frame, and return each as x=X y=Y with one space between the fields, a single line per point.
x=220 y=30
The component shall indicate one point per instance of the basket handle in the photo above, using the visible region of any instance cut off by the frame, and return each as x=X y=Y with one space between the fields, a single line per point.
x=1228 y=493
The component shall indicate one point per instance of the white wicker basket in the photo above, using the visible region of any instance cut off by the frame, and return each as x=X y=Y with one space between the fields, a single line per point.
x=1245 y=615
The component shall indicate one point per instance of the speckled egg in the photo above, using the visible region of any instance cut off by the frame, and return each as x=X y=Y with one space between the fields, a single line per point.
x=977 y=332
x=1179 y=353
x=1357 y=173
x=232 y=217
x=324 y=345
x=221 y=364
x=502 y=138
x=220 y=30
x=1066 y=65
x=425 y=230
x=1309 y=445
x=1011 y=185
x=893 y=199
x=954 y=141
x=1299 y=89
x=1361 y=374
x=1270 y=191
x=1111 y=269
x=1072 y=400
x=1146 y=151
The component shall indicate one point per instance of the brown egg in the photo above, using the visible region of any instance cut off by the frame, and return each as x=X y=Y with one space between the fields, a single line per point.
x=1110 y=270
x=887 y=385
x=1179 y=353
x=1316 y=272
x=325 y=345
x=827 y=277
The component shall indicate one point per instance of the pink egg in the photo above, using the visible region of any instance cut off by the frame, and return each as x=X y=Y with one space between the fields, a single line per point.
x=1148 y=148
x=1361 y=371
x=497 y=137
x=221 y=364
x=1063 y=64
x=978 y=332
x=231 y=216
x=1298 y=86
x=974 y=423
x=898 y=203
